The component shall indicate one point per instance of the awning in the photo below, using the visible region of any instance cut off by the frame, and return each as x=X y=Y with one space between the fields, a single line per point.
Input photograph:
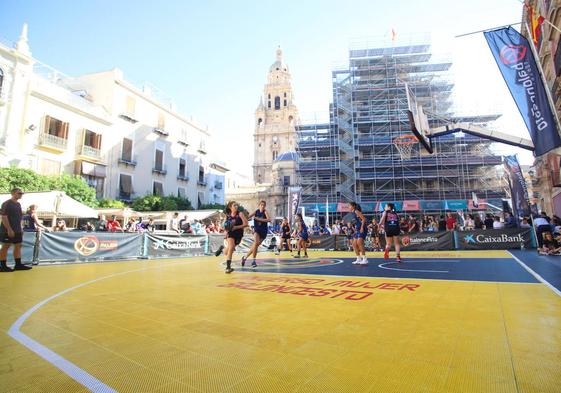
x=91 y=169
x=54 y=203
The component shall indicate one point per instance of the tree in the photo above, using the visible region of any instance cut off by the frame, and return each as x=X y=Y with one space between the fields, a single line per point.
x=110 y=203
x=159 y=203
x=75 y=187
x=25 y=179
x=213 y=206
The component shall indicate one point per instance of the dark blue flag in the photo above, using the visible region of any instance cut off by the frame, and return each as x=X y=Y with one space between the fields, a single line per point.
x=516 y=62
x=518 y=186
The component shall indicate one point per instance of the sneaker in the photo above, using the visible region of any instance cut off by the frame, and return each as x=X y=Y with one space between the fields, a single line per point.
x=306 y=256
x=387 y=253
x=296 y=256
x=228 y=270
x=254 y=264
x=244 y=258
x=6 y=269
x=398 y=259
x=219 y=251
x=22 y=267
x=363 y=261
x=356 y=261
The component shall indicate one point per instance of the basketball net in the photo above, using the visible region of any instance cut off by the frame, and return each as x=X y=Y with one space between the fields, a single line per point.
x=404 y=145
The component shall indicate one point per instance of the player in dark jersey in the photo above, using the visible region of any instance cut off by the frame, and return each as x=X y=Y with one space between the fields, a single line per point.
x=235 y=231
x=360 y=233
x=390 y=222
x=260 y=228
x=303 y=236
x=285 y=237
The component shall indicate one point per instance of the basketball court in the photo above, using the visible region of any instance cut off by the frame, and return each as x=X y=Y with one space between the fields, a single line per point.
x=477 y=321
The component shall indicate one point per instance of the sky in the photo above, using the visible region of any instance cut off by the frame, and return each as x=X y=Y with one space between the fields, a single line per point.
x=212 y=57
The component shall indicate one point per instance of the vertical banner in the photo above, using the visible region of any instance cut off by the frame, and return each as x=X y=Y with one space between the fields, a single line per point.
x=293 y=202
x=518 y=187
x=516 y=62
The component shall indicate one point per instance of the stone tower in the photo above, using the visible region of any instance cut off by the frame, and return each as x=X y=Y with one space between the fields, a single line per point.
x=275 y=118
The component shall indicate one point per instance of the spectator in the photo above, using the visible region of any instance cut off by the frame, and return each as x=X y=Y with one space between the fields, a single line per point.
x=403 y=225
x=183 y=222
x=497 y=224
x=101 y=224
x=113 y=225
x=477 y=223
x=150 y=226
x=88 y=227
x=450 y=222
x=510 y=221
x=489 y=221
x=470 y=223
x=131 y=225
x=550 y=246
x=441 y=223
x=525 y=223
x=412 y=224
x=60 y=226
x=542 y=226
x=335 y=229
x=11 y=231
x=31 y=222
x=175 y=223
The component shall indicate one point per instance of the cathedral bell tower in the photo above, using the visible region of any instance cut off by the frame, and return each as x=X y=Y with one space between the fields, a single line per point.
x=275 y=119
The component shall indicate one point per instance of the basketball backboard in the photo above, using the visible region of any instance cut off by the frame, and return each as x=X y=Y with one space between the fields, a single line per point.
x=418 y=120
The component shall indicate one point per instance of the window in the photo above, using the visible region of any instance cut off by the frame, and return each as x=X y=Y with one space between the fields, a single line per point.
x=284 y=95
x=286 y=181
x=269 y=104
x=126 y=152
x=125 y=186
x=259 y=121
x=159 y=160
x=92 y=139
x=201 y=174
x=284 y=102
x=181 y=192
x=130 y=106
x=277 y=102
x=96 y=183
x=182 y=167
x=275 y=155
x=269 y=96
x=158 y=189
x=200 y=199
x=56 y=127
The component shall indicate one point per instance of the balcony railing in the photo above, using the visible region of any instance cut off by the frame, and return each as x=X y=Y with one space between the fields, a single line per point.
x=126 y=196
x=201 y=182
x=54 y=141
x=128 y=161
x=184 y=177
x=160 y=170
x=183 y=141
x=161 y=131
x=90 y=151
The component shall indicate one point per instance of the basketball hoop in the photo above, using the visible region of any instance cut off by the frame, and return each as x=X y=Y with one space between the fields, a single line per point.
x=404 y=145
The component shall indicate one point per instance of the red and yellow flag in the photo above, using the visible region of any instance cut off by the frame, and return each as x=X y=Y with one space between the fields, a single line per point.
x=536 y=21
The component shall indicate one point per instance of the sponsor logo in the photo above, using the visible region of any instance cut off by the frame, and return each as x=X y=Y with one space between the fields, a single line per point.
x=511 y=54
x=89 y=245
x=286 y=263
x=177 y=243
x=406 y=240
x=504 y=238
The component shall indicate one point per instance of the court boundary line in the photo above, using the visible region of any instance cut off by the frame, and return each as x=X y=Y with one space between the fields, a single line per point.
x=536 y=275
x=72 y=370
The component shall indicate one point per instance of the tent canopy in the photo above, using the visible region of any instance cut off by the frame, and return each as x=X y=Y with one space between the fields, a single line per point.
x=50 y=203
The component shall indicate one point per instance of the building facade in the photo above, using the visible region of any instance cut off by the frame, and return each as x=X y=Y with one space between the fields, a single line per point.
x=125 y=141
x=546 y=179
x=355 y=157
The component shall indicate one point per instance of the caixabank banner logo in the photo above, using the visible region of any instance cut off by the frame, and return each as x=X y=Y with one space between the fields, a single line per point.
x=89 y=245
x=502 y=238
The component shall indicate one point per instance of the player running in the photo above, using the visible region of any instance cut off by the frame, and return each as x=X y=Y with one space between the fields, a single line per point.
x=390 y=222
x=285 y=237
x=234 y=225
x=303 y=236
x=260 y=221
x=360 y=233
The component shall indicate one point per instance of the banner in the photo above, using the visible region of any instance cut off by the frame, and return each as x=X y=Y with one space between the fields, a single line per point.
x=516 y=62
x=322 y=242
x=72 y=246
x=518 y=187
x=494 y=239
x=425 y=241
x=28 y=246
x=214 y=242
x=158 y=246
x=293 y=202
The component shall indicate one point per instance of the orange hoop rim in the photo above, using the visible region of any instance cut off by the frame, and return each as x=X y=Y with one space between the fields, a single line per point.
x=406 y=140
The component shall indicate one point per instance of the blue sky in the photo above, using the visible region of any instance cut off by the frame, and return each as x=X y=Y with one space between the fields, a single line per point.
x=212 y=57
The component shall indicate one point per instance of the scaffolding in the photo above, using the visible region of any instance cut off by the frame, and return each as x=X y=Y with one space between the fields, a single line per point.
x=353 y=158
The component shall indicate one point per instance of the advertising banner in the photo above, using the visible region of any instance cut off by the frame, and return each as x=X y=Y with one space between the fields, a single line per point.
x=158 y=246
x=28 y=246
x=516 y=62
x=494 y=239
x=322 y=242
x=432 y=205
x=425 y=241
x=71 y=246
x=518 y=187
x=293 y=202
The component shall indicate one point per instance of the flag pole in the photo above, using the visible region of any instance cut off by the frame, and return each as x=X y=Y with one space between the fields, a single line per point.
x=489 y=29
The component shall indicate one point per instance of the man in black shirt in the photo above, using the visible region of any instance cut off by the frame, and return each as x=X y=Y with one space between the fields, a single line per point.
x=488 y=221
x=441 y=223
x=11 y=231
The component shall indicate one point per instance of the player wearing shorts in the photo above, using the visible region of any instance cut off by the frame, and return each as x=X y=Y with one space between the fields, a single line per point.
x=11 y=231
x=390 y=222
x=235 y=231
x=285 y=237
x=260 y=228
x=360 y=233
x=303 y=236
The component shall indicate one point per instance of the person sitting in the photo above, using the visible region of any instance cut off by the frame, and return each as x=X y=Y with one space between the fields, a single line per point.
x=497 y=224
x=489 y=221
x=470 y=223
x=113 y=225
x=61 y=226
x=510 y=221
x=525 y=223
x=551 y=246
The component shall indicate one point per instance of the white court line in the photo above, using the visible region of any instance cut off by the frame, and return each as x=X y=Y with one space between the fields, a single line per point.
x=76 y=373
x=536 y=275
x=382 y=266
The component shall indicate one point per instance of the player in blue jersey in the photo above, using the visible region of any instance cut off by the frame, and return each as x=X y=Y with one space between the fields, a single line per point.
x=360 y=232
x=261 y=221
x=303 y=236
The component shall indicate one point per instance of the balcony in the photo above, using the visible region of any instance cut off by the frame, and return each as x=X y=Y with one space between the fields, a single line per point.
x=202 y=182
x=202 y=148
x=218 y=185
x=89 y=151
x=130 y=161
x=52 y=141
x=183 y=142
x=161 y=131
x=128 y=117
x=183 y=177
x=159 y=170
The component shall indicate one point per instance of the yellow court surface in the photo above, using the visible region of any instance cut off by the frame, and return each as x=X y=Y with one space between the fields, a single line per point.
x=439 y=322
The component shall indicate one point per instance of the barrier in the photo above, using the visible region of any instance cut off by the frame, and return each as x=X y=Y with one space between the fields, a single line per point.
x=495 y=239
x=425 y=241
x=28 y=247
x=166 y=246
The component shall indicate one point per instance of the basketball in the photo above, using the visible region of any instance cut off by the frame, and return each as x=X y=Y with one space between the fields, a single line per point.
x=227 y=225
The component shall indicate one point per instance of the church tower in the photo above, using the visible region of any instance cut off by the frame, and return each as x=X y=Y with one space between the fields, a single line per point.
x=275 y=119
